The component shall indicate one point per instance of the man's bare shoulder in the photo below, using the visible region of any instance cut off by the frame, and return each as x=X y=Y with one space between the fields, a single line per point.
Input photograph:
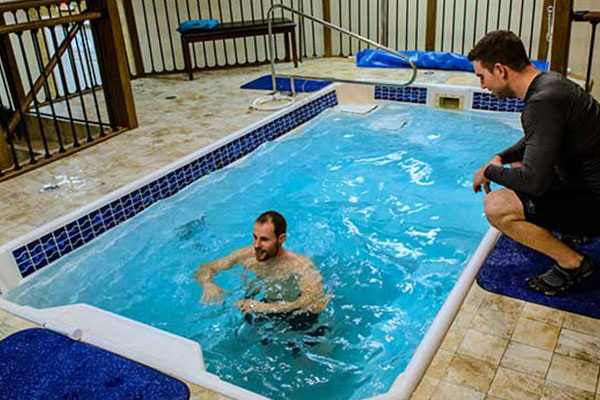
x=245 y=257
x=302 y=262
x=291 y=255
x=240 y=256
x=308 y=262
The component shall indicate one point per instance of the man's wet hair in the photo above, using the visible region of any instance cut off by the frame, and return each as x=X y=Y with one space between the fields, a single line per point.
x=502 y=47
x=276 y=219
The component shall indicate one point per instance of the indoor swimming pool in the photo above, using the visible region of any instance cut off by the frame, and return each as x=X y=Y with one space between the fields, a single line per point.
x=381 y=203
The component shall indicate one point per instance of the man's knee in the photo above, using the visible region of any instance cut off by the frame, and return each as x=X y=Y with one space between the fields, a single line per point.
x=500 y=207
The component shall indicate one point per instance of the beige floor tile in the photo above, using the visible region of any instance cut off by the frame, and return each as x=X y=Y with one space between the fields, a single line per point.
x=497 y=316
x=476 y=295
x=482 y=346
x=453 y=338
x=505 y=303
x=579 y=345
x=543 y=314
x=10 y=324
x=438 y=365
x=18 y=324
x=537 y=334
x=530 y=360
x=200 y=393
x=579 y=323
x=6 y=329
x=556 y=391
x=513 y=385
x=490 y=397
x=470 y=372
x=465 y=315
x=573 y=372
x=449 y=391
x=6 y=316
x=425 y=389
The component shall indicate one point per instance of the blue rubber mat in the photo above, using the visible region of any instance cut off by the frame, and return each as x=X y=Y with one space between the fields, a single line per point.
x=283 y=84
x=38 y=364
x=508 y=265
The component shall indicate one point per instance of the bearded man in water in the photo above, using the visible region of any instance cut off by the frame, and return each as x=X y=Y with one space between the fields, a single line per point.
x=291 y=284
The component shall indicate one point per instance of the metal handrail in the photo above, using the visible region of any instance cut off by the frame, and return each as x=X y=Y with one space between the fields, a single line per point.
x=336 y=28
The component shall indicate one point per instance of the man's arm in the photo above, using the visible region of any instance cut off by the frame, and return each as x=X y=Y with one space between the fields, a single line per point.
x=204 y=275
x=514 y=153
x=544 y=126
x=479 y=177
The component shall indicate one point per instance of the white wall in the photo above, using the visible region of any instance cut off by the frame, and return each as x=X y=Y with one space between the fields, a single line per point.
x=580 y=46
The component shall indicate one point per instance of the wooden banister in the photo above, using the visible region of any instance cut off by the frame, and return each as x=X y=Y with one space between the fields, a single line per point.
x=431 y=24
x=587 y=16
x=134 y=40
x=29 y=26
x=561 y=36
x=37 y=86
x=543 y=41
x=327 y=31
x=24 y=5
x=113 y=64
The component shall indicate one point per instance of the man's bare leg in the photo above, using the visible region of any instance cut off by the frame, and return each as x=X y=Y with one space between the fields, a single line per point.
x=504 y=211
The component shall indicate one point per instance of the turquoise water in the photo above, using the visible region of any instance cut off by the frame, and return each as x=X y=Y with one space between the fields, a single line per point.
x=383 y=206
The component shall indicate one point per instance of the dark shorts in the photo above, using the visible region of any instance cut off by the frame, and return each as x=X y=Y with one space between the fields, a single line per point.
x=297 y=322
x=568 y=213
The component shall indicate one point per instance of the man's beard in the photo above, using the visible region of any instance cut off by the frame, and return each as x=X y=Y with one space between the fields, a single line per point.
x=264 y=255
x=505 y=93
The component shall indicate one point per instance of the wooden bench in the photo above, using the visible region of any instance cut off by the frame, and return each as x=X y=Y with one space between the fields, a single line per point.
x=232 y=30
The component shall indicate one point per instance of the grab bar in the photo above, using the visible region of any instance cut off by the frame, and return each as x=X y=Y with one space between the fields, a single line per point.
x=339 y=29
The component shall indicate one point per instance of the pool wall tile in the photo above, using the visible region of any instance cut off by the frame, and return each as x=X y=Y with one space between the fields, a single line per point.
x=478 y=100
x=62 y=241
x=489 y=102
x=44 y=250
x=409 y=94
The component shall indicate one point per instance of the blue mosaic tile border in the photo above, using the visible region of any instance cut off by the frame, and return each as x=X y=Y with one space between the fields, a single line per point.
x=488 y=101
x=409 y=94
x=52 y=246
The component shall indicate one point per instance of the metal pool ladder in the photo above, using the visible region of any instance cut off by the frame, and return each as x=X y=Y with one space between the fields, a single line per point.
x=336 y=28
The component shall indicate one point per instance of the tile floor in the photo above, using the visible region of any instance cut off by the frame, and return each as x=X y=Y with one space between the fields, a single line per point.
x=502 y=348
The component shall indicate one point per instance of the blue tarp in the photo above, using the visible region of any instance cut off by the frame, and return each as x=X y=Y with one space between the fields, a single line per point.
x=197 y=25
x=423 y=59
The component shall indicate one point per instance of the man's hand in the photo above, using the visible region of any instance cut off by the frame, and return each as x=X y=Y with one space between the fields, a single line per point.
x=211 y=294
x=479 y=176
x=247 y=306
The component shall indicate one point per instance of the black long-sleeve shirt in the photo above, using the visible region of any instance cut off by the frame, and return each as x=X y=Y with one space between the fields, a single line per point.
x=561 y=147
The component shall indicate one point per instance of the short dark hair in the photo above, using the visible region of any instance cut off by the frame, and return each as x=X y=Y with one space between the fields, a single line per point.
x=502 y=47
x=276 y=219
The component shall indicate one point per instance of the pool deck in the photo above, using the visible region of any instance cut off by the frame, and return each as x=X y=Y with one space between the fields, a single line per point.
x=497 y=348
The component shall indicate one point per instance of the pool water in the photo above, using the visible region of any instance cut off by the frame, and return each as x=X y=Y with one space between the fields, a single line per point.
x=382 y=204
